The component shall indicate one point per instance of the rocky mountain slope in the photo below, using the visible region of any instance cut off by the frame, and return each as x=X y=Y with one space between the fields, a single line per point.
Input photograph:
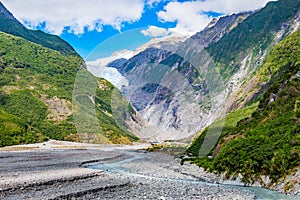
x=100 y=67
x=254 y=36
x=258 y=140
x=241 y=70
x=210 y=67
x=151 y=83
x=262 y=145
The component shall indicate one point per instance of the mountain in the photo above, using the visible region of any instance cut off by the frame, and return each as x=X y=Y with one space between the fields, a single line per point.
x=261 y=142
x=154 y=50
x=41 y=97
x=219 y=27
x=212 y=66
x=240 y=76
x=10 y=25
x=254 y=35
x=257 y=140
x=169 y=41
x=46 y=92
x=168 y=114
x=232 y=88
x=100 y=67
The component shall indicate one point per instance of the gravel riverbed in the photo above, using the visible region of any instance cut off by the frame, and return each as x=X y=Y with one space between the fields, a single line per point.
x=49 y=173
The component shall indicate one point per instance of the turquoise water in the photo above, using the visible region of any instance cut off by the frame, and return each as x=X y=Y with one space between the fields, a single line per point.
x=261 y=193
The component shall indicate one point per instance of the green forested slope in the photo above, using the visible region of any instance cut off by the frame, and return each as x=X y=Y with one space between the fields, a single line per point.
x=36 y=86
x=268 y=142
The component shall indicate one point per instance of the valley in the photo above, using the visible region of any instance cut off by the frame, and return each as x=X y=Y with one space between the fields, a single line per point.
x=212 y=115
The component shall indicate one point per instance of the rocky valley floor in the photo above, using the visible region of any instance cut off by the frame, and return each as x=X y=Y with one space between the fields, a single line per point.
x=74 y=171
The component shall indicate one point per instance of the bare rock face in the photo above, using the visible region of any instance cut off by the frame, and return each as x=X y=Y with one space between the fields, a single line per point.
x=171 y=82
x=59 y=109
x=174 y=89
x=218 y=28
x=289 y=185
x=177 y=88
x=248 y=88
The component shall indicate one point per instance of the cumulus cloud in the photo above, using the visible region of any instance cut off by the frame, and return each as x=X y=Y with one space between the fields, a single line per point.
x=77 y=15
x=190 y=16
x=154 y=31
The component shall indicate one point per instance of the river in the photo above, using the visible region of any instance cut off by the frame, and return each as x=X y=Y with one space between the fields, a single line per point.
x=149 y=166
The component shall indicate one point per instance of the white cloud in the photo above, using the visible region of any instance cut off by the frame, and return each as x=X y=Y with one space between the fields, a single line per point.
x=155 y=2
x=190 y=15
x=76 y=14
x=154 y=31
x=93 y=14
x=151 y=2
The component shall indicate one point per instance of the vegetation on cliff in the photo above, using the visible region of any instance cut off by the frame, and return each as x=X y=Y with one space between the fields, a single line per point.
x=267 y=142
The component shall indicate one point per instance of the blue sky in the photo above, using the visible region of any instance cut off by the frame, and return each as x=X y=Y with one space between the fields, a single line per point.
x=112 y=39
x=88 y=24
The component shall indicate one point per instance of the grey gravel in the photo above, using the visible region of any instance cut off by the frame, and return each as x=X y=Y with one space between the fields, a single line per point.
x=66 y=174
